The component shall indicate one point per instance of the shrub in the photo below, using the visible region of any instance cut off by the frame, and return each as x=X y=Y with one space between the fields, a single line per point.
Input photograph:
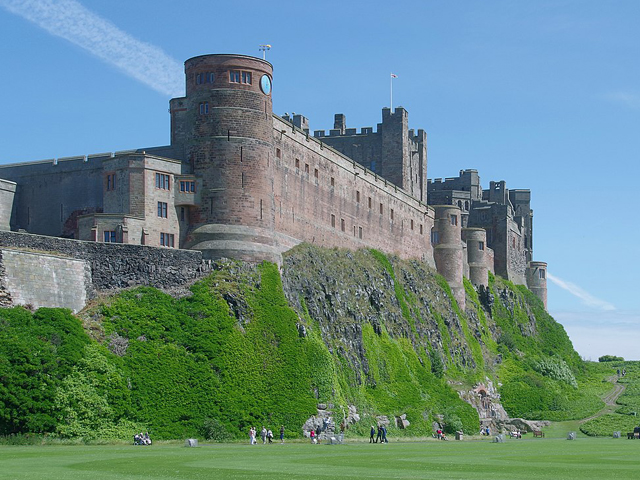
x=610 y=358
x=213 y=429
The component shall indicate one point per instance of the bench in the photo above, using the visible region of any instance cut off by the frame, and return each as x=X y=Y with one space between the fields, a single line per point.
x=538 y=433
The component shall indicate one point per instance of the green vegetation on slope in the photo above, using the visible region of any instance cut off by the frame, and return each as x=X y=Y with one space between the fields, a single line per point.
x=251 y=348
x=627 y=415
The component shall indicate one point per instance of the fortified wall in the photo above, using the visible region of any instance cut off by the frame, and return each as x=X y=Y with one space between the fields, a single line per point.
x=52 y=272
x=238 y=181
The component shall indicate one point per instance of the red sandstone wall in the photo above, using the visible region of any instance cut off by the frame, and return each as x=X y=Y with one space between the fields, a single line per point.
x=304 y=203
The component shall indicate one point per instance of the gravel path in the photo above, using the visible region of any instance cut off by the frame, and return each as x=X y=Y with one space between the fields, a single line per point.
x=609 y=399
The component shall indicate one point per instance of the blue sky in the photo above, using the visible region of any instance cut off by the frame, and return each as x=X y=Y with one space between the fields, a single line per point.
x=542 y=94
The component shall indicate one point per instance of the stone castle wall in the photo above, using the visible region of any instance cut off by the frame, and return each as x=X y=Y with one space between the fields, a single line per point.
x=327 y=199
x=7 y=193
x=52 y=193
x=41 y=280
x=115 y=265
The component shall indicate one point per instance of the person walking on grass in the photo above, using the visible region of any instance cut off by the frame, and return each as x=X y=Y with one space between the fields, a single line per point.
x=263 y=435
x=281 y=433
x=379 y=436
x=373 y=434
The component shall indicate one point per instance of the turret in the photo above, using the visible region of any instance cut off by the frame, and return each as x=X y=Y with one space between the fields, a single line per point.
x=537 y=280
x=448 y=251
x=225 y=127
x=476 y=239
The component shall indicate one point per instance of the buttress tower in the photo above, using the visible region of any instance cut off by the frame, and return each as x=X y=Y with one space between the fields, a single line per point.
x=224 y=129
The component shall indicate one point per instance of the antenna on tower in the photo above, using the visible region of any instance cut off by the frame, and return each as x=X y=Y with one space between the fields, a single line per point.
x=263 y=49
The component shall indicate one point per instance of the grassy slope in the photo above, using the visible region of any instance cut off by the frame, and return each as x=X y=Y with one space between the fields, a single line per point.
x=538 y=459
x=623 y=418
x=233 y=351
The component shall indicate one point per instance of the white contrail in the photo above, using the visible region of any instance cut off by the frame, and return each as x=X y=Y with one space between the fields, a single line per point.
x=586 y=297
x=72 y=21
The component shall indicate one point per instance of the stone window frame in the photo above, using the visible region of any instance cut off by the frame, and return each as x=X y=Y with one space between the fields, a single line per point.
x=542 y=274
x=333 y=182
x=381 y=208
x=435 y=237
x=167 y=240
x=412 y=224
x=343 y=225
x=111 y=181
x=163 y=210
x=110 y=236
x=246 y=78
x=454 y=220
x=357 y=196
x=333 y=220
x=278 y=153
x=360 y=233
x=391 y=214
x=163 y=181
x=187 y=186
x=204 y=108
x=480 y=245
x=234 y=76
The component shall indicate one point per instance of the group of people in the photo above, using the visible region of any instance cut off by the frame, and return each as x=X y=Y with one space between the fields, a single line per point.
x=141 y=439
x=381 y=434
x=265 y=434
x=485 y=431
x=624 y=372
x=440 y=435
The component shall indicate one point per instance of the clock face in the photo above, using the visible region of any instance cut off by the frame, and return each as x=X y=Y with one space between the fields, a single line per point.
x=265 y=84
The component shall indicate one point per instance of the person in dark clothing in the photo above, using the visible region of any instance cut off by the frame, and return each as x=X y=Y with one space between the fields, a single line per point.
x=379 y=436
x=384 y=435
x=373 y=433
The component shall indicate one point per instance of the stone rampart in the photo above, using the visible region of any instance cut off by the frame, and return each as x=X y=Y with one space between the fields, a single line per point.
x=43 y=280
x=114 y=265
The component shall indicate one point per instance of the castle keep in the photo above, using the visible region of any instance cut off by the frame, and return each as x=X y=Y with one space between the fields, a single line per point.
x=238 y=181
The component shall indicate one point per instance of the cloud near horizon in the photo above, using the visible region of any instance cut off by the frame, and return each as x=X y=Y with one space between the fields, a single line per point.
x=594 y=334
x=627 y=99
x=578 y=292
x=70 y=20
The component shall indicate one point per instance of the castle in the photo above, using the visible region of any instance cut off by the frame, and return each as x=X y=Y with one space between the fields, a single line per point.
x=238 y=181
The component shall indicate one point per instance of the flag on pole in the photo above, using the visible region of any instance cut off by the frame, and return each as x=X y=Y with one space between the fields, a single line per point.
x=393 y=75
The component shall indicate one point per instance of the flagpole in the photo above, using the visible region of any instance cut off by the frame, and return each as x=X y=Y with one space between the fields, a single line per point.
x=391 y=90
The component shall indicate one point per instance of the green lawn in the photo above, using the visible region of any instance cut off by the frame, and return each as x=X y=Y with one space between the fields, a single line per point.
x=584 y=459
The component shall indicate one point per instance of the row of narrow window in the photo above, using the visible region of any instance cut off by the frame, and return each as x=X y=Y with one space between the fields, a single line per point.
x=163 y=182
x=166 y=239
x=235 y=76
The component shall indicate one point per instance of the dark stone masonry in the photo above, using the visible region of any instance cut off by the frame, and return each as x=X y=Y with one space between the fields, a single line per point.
x=116 y=265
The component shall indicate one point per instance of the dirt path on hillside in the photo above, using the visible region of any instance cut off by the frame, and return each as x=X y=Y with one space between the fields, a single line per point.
x=609 y=399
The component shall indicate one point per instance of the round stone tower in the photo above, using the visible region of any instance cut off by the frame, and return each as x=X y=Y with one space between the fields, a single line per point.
x=225 y=127
x=476 y=239
x=448 y=252
x=537 y=280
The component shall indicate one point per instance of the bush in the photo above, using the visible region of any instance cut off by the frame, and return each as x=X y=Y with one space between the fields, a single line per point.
x=452 y=423
x=214 y=430
x=610 y=358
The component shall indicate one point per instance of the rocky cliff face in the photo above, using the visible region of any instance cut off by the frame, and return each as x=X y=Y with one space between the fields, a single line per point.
x=344 y=295
x=344 y=290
